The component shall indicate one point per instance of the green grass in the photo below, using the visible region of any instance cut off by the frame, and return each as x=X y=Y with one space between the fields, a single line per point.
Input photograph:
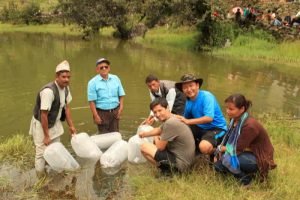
x=18 y=150
x=204 y=183
x=5 y=185
x=46 y=28
x=184 y=37
x=252 y=48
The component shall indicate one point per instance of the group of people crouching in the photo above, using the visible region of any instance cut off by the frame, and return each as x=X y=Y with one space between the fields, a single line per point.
x=192 y=123
x=197 y=126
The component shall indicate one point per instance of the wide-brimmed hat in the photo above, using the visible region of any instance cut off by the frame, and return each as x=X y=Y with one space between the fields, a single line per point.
x=101 y=60
x=188 y=78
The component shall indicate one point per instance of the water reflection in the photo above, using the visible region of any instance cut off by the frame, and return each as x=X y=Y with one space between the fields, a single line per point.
x=27 y=62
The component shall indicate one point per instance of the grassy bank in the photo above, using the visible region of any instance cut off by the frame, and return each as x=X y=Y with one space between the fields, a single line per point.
x=50 y=28
x=183 y=38
x=252 y=48
x=203 y=183
x=46 y=28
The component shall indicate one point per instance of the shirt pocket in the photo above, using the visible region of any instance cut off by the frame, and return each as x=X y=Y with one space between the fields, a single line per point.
x=102 y=91
x=114 y=90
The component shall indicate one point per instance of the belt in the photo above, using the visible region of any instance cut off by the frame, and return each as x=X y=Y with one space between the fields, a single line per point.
x=109 y=110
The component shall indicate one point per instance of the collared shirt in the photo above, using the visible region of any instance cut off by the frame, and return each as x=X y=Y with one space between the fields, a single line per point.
x=170 y=97
x=47 y=97
x=105 y=92
x=205 y=104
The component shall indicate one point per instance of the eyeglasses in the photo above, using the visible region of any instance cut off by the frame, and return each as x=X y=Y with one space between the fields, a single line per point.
x=103 y=67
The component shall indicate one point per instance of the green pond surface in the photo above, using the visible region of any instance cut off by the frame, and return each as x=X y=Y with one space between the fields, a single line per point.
x=28 y=61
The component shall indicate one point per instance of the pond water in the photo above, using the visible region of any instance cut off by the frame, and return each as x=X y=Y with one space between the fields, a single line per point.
x=27 y=62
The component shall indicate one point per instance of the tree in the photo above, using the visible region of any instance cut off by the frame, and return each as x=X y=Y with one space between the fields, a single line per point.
x=91 y=15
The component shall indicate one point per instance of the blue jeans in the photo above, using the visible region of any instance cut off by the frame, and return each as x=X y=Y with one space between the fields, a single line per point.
x=248 y=167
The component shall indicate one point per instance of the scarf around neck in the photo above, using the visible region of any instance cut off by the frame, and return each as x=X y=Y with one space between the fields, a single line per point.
x=230 y=159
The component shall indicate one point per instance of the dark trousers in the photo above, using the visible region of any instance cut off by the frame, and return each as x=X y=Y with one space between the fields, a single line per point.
x=248 y=167
x=110 y=123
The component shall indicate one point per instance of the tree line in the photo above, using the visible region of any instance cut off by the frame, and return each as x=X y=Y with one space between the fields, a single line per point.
x=129 y=18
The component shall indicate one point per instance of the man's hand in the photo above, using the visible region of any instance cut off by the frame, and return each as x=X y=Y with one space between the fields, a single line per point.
x=97 y=119
x=149 y=121
x=183 y=119
x=142 y=134
x=47 y=140
x=72 y=130
x=119 y=114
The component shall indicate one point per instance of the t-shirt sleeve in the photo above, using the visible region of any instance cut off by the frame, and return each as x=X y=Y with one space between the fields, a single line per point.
x=47 y=97
x=69 y=97
x=209 y=106
x=91 y=91
x=121 y=89
x=167 y=132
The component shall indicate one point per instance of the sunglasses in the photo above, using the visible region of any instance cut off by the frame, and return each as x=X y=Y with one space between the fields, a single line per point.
x=103 y=67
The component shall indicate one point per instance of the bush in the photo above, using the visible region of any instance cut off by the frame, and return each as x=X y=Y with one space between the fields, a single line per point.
x=10 y=13
x=31 y=14
x=214 y=33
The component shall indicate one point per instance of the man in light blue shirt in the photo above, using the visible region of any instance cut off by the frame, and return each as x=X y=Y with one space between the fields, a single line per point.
x=105 y=95
x=203 y=114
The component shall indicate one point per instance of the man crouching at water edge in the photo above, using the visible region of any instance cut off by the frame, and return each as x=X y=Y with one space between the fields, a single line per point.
x=174 y=147
x=51 y=107
x=203 y=114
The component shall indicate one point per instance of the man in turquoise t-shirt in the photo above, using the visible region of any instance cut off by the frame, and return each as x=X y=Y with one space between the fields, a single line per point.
x=203 y=114
x=105 y=95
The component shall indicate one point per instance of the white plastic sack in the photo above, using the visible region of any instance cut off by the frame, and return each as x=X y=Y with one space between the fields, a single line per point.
x=134 y=149
x=58 y=157
x=115 y=155
x=104 y=141
x=84 y=147
x=144 y=128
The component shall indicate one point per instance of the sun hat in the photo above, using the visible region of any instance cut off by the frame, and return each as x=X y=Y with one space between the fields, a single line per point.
x=63 y=66
x=100 y=60
x=188 y=78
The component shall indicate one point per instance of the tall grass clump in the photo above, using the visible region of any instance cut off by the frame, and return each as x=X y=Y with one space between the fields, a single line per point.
x=5 y=184
x=17 y=150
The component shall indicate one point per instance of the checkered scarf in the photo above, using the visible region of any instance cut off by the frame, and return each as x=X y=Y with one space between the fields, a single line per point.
x=230 y=159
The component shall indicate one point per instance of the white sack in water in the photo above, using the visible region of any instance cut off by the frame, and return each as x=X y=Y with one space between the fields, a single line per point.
x=134 y=149
x=115 y=155
x=58 y=158
x=84 y=147
x=104 y=141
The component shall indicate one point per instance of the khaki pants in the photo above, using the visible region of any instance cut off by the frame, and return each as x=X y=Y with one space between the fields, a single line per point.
x=39 y=152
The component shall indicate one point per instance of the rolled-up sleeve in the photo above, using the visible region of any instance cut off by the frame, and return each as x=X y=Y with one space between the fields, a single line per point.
x=121 y=89
x=47 y=97
x=91 y=91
